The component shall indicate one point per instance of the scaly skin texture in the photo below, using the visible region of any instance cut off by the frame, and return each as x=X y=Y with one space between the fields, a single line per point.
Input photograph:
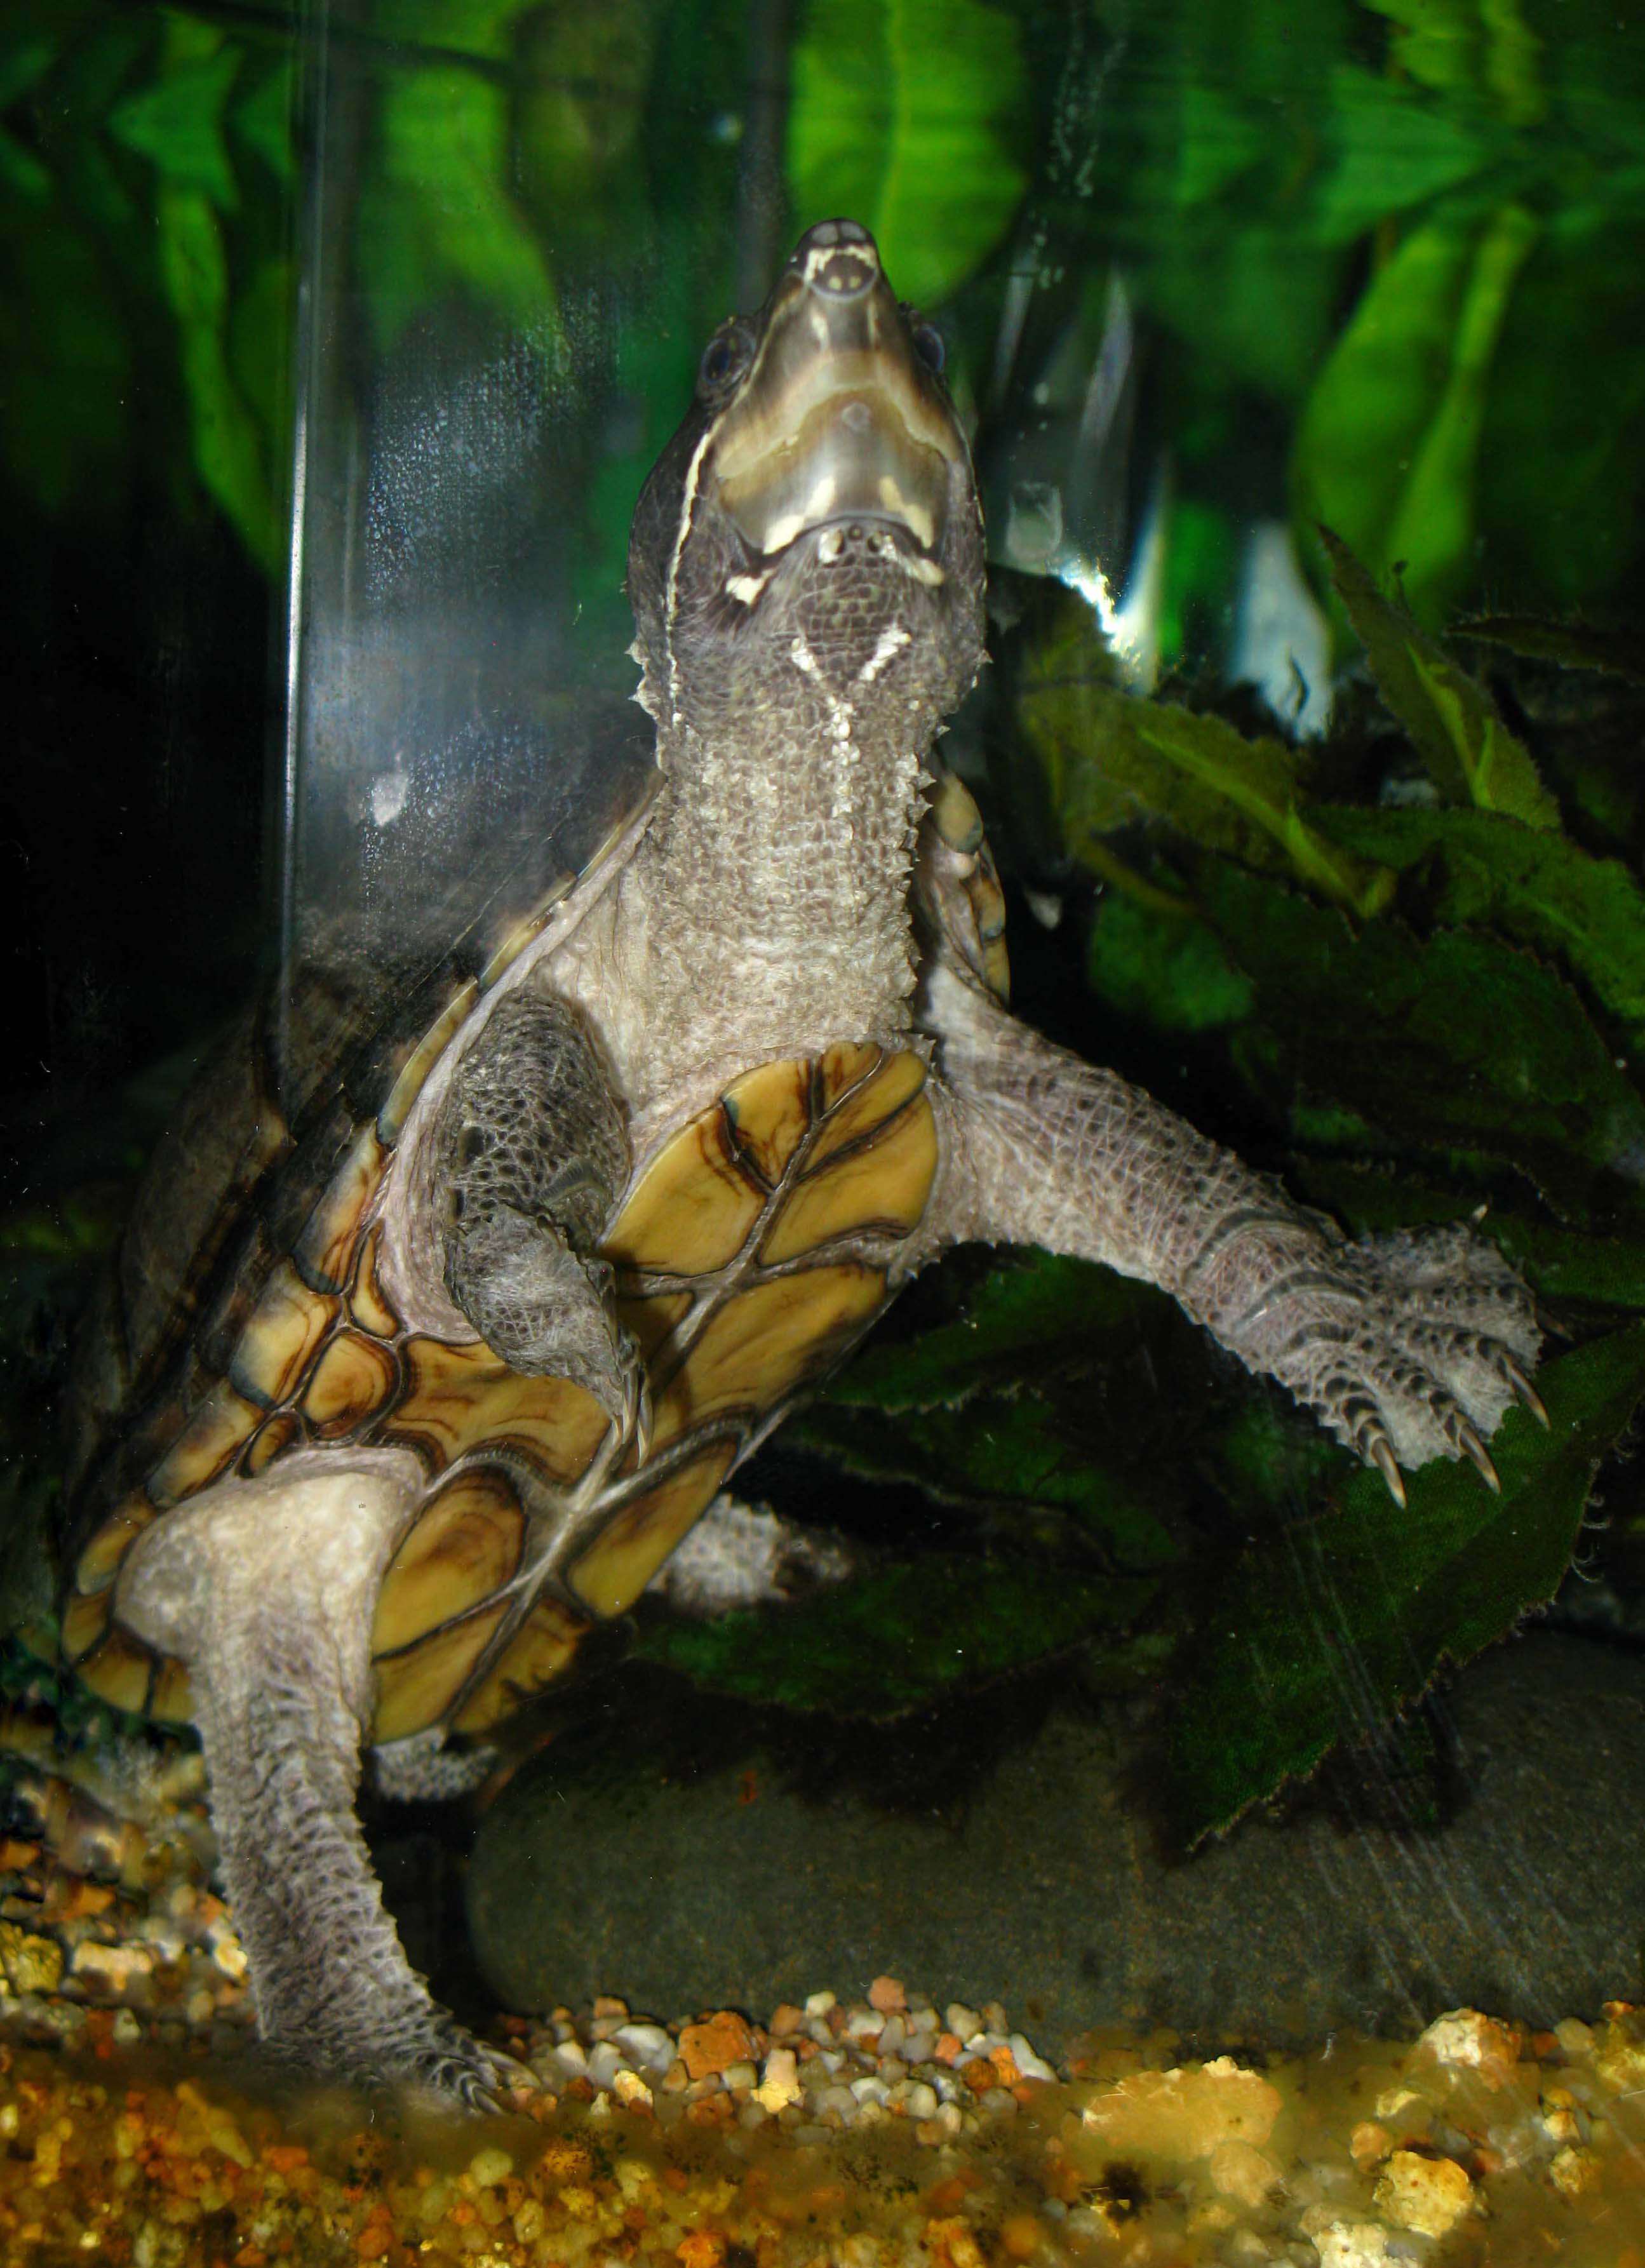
x=806 y=572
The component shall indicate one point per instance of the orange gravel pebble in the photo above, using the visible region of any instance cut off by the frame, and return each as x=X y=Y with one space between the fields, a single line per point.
x=887 y=1995
x=721 y=2040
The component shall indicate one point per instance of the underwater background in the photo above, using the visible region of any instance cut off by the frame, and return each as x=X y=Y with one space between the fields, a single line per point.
x=1305 y=350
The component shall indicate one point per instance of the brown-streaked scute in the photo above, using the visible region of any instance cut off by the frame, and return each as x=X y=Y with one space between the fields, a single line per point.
x=171 y=1696
x=884 y=1184
x=693 y=1207
x=324 y=1251
x=539 y=1652
x=652 y=1318
x=282 y=1335
x=610 y=1575
x=272 y=1439
x=85 y=1619
x=465 y=1545
x=769 y=1111
x=352 y=1384
x=368 y=1302
x=408 y=1085
x=895 y=1080
x=100 y=1563
x=842 y=1068
x=415 y=1689
x=119 y=1672
x=763 y=1343
x=206 y=1446
x=955 y=815
x=461 y=1398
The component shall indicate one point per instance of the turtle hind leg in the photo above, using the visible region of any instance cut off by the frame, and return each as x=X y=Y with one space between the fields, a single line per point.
x=266 y=1588
x=534 y=1157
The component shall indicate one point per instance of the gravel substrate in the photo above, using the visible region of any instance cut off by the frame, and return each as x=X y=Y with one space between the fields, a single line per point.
x=879 y=2131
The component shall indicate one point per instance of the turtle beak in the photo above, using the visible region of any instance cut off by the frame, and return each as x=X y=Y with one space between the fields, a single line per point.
x=840 y=419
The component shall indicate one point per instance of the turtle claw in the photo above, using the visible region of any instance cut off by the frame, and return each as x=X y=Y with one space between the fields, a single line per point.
x=1472 y=1446
x=1525 y=1392
x=1383 y=1457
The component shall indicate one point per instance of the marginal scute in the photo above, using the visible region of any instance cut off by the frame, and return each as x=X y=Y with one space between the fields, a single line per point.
x=171 y=1696
x=898 y=1078
x=886 y=1183
x=466 y=1544
x=769 y=1111
x=415 y=1689
x=692 y=1208
x=460 y=1398
x=764 y=1341
x=955 y=815
x=280 y=1339
x=325 y=1249
x=275 y=1435
x=615 y=1570
x=352 y=1382
x=119 y=1672
x=85 y=1619
x=99 y=1562
x=206 y=1446
x=368 y=1303
x=540 y=1652
x=392 y=1117
x=515 y=944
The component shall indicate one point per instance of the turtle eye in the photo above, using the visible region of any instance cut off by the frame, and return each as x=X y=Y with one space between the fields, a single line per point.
x=725 y=358
x=927 y=342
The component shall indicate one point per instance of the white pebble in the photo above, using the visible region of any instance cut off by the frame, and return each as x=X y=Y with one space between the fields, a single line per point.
x=922 y=2100
x=645 y=2044
x=818 y=2004
x=605 y=2063
x=959 y=2020
x=1027 y=2063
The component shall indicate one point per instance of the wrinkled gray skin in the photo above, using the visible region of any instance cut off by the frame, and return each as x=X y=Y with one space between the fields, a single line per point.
x=807 y=574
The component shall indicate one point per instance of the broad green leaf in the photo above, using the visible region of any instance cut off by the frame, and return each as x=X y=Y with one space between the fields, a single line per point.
x=1172 y=973
x=1392 y=148
x=902 y=1637
x=263 y=121
x=1480 y=870
x=1041 y=1312
x=436 y=210
x=1457 y=733
x=911 y=115
x=1453 y=1041
x=1109 y=758
x=1014 y=1454
x=229 y=450
x=1326 y=1631
x=1471 y=46
x=1573 y=646
x=177 y=123
x=1387 y=450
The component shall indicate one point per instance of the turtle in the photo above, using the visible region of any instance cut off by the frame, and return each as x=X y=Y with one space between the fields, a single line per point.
x=449 y=1307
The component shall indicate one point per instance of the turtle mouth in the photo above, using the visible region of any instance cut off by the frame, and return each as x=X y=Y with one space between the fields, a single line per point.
x=846 y=451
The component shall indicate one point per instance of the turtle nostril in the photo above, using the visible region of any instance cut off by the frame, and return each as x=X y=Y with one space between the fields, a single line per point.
x=836 y=260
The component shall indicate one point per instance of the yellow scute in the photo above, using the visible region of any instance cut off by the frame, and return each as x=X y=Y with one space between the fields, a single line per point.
x=464 y=1547
x=460 y=1398
x=615 y=1569
x=886 y=1183
x=762 y=1344
x=541 y=1652
x=352 y=1382
x=693 y=1207
x=415 y=1689
x=771 y=1110
x=867 y=1106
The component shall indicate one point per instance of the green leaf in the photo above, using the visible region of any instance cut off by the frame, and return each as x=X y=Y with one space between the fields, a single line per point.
x=263 y=121
x=912 y=116
x=1042 y=1311
x=1110 y=758
x=902 y=1637
x=1324 y=1632
x=1478 y=869
x=436 y=210
x=1392 y=148
x=178 y=124
x=1453 y=1041
x=1388 y=449
x=227 y=446
x=1573 y=646
x=1464 y=742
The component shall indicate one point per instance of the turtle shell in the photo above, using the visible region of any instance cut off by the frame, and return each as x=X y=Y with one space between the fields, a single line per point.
x=748 y=1253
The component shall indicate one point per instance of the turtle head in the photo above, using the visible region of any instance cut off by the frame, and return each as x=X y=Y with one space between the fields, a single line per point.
x=815 y=512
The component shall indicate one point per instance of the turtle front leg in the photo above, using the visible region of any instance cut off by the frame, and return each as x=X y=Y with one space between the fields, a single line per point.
x=1406 y=1347
x=266 y=1590
x=534 y=1157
